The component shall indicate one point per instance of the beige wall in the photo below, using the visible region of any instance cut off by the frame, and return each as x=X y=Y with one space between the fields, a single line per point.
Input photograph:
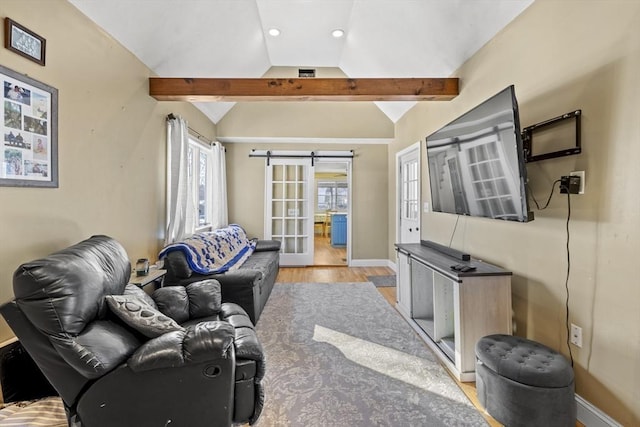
x=246 y=183
x=111 y=145
x=305 y=119
x=562 y=56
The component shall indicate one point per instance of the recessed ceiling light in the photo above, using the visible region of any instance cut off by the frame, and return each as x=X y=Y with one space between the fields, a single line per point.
x=274 y=32
x=337 y=33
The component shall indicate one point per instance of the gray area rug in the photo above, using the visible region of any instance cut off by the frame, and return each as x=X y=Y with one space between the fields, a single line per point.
x=383 y=281
x=340 y=355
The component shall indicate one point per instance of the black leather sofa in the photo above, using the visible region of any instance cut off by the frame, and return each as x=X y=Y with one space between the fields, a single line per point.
x=118 y=356
x=249 y=286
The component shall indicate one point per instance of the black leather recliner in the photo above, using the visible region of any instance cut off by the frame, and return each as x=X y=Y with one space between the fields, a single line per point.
x=205 y=371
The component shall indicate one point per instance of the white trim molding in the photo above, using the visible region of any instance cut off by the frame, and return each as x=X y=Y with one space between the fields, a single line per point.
x=301 y=140
x=372 y=263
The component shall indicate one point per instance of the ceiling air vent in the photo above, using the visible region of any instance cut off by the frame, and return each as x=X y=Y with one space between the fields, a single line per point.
x=306 y=72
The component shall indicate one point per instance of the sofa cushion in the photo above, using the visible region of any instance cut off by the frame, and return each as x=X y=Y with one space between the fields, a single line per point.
x=196 y=300
x=141 y=316
x=205 y=298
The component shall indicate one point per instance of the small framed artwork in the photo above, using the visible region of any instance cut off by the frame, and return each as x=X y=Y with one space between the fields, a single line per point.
x=29 y=126
x=24 y=42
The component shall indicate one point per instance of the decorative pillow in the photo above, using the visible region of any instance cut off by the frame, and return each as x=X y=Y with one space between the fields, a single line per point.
x=138 y=292
x=141 y=316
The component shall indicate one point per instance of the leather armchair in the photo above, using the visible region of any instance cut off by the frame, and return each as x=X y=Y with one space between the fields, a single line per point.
x=203 y=369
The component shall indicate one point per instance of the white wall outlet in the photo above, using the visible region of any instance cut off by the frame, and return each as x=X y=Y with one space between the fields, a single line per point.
x=581 y=174
x=425 y=207
x=576 y=335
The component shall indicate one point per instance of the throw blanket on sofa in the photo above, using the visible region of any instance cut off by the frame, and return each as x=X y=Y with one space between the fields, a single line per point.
x=215 y=251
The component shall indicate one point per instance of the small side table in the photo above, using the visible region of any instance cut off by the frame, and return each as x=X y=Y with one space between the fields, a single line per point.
x=142 y=281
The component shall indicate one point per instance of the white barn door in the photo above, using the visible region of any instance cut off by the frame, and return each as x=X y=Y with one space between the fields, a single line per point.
x=289 y=209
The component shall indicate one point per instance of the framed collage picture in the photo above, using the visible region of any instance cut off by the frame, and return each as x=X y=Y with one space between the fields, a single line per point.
x=29 y=150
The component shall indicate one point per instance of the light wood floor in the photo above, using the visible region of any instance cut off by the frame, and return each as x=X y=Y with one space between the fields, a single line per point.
x=327 y=255
x=359 y=274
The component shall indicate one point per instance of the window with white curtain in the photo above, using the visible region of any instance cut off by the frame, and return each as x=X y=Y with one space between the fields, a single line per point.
x=199 y=182
x=196 y=183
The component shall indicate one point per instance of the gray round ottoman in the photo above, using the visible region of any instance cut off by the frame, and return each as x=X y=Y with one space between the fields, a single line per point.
x=524 y=383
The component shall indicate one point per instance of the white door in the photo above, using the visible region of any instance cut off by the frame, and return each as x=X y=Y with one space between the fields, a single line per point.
x=289 y=209
x=408 y=162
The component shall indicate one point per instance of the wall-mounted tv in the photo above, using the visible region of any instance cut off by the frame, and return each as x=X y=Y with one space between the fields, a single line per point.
x=477 y=165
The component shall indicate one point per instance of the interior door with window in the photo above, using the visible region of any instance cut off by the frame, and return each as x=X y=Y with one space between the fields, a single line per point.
x=289 y=209
x=409 y=196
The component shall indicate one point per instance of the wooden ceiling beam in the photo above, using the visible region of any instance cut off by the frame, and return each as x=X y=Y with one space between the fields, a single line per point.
x=302 y=89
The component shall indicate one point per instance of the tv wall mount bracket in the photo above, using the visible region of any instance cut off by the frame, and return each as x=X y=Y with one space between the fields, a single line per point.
x=530 y=131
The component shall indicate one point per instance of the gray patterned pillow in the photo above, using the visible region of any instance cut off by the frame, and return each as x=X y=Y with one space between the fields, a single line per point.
x=141 y=316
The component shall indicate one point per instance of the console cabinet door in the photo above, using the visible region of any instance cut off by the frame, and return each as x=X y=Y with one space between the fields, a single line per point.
x=444 y=314
x=422 y=309
x=403 y=279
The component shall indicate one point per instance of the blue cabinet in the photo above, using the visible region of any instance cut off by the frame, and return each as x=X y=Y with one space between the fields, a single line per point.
x=339 y=230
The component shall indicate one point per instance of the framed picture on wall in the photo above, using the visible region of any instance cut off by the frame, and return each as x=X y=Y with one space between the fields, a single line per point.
x=24 y=41
x=29 y=150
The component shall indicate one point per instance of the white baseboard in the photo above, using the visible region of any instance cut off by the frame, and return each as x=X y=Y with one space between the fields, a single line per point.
x=372 y=263
x=591 y=416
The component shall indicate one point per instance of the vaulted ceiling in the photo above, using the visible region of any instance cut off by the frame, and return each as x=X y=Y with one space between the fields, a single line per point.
x=230 y=38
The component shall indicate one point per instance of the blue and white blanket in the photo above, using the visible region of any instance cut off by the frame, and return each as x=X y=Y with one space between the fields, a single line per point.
x=215 y=251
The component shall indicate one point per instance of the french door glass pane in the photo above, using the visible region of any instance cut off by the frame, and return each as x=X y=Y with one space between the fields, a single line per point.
x=289 y=211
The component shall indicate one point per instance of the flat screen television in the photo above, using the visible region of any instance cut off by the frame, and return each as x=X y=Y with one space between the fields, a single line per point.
x=477 y=162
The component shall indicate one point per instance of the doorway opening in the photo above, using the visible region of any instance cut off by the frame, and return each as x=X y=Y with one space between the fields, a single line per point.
x=332 y=207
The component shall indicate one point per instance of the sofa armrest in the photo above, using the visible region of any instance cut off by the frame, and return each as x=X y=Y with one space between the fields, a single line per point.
x=198 y=343
x=267 y=245
x=247 y=347
x=177 y=267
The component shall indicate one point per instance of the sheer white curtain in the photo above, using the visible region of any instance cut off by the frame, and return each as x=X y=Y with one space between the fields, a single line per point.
x=218 y=174
x=180 y=206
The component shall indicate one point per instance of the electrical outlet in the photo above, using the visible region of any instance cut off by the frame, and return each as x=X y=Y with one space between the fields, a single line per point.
x=581 y=174
x=569 y=184
x=576 y=335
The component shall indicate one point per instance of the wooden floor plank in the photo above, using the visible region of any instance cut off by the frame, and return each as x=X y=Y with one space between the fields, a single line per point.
x=327 y=255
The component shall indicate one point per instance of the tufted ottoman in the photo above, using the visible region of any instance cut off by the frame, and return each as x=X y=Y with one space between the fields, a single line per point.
x=524 y=383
